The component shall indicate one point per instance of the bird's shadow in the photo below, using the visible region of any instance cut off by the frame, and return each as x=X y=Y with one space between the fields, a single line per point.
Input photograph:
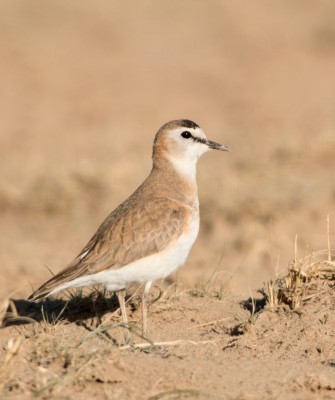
x=75 y=309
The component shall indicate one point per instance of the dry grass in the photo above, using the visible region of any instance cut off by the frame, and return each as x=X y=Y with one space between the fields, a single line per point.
x=61 y=357
x=307 y=278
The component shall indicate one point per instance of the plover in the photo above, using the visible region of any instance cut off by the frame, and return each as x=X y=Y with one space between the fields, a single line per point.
x=150 y=234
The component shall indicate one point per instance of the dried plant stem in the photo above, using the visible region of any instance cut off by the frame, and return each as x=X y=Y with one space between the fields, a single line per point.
x=208 y=323
x=168 y=344
x=295 y=249
x=328 y=238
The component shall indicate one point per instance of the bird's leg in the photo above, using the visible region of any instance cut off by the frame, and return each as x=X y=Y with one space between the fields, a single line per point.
x=144 y=313
x=145 y=307
x=121 y=295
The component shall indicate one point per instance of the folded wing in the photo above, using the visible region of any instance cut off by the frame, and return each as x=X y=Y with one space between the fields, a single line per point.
x=126 y=235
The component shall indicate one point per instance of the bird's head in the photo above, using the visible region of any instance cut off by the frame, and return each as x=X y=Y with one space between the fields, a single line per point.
x=183 y=141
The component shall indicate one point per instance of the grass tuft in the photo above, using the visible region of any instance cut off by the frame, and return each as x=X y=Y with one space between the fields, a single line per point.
x=307 y=278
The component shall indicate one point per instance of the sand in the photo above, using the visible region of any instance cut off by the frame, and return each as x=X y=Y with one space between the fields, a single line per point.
x=84 y=88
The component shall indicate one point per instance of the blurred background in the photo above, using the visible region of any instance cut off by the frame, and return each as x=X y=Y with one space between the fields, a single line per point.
x=85 y=85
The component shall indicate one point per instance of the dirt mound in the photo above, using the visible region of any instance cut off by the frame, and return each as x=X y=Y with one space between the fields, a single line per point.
x=203 y=343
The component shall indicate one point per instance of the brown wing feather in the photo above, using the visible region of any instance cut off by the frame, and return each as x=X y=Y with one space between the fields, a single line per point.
x=129 y=233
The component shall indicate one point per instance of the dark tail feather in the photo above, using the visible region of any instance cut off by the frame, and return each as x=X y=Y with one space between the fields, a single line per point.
x=38 y=295
x=67 y=274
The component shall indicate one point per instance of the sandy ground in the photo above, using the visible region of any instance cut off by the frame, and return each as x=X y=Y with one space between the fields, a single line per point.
x=84 y=88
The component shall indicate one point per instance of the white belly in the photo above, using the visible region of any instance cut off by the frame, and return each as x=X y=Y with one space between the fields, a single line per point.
x=146 y=269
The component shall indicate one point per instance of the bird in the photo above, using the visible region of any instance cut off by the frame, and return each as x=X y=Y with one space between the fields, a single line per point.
x=150 y=234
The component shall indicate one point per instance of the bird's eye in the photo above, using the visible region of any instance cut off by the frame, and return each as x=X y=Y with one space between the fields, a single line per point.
x=186 y=134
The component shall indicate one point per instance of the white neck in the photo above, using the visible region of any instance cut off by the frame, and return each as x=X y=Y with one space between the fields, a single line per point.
x=186 y=168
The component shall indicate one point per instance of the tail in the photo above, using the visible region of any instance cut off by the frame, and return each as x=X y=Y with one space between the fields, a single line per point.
x=57 y=282
x=38 y=296
x=43 y=291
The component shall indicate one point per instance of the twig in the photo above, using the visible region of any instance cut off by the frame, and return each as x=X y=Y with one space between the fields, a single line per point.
x=168 y=344
x=306 y=298
x=328 y=238
x=295 y=249
x=208 y=323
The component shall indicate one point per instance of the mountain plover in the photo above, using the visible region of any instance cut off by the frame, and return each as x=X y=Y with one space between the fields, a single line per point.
x=149 y=235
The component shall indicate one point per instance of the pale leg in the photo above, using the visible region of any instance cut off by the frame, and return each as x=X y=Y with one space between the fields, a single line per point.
x=144 y=307
x=144 y=313
x=121 y=295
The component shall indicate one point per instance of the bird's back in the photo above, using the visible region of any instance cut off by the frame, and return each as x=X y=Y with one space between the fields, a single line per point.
x=144 y=224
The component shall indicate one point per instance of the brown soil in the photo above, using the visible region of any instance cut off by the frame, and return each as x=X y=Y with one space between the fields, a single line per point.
x=84 y=87
x=200 y=346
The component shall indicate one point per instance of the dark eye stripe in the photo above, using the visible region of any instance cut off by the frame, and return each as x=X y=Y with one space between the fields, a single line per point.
x=198 y=139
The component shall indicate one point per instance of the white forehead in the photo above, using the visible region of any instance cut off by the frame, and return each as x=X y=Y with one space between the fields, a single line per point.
x=196 y=132
x=172 y=133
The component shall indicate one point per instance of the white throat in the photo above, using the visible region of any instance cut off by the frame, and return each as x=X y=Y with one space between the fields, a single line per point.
x=186 y=168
